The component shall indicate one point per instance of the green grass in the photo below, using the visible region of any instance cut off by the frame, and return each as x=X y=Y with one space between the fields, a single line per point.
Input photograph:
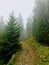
x=14 y=58
x=42 y=52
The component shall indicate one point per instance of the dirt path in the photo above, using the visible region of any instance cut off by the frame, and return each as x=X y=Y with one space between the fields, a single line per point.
x=27 y=56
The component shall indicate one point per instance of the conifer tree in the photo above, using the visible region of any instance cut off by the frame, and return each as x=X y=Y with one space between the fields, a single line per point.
x=10 y=40
x=40 y=21
x=1 y=24
x=29 y=26
x=20 y=22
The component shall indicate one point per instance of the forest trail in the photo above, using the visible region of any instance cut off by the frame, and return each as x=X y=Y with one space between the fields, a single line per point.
x=27 y=56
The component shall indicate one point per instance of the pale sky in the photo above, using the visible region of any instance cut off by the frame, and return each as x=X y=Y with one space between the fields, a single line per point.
x=24 y=7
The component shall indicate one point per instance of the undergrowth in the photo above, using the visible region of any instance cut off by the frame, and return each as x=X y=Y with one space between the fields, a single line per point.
x=14 y=58
x=42 y=52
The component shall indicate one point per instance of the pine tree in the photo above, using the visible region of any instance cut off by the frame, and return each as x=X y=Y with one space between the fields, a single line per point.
x=1 y=24
x=20 y=22
x=29 y=26
x=40 y=22
x=10 y=41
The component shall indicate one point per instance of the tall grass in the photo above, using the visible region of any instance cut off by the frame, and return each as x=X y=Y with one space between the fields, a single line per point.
x=42 y=52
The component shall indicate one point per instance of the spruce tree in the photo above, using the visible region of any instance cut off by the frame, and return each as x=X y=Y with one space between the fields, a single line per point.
x=29 y=26
x=2 y=24
x=10 y=40
x=20 y=22
x=40 y=21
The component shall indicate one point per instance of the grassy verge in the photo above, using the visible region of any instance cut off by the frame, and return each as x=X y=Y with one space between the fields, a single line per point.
x=14 y=58
x=42 y=52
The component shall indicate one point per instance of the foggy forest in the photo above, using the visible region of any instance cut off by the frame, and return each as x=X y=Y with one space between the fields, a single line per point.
x=24 y=39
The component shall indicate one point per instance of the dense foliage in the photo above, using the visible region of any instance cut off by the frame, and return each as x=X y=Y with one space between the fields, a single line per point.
x=41 y=51
x=41 y=21
x=9 y=40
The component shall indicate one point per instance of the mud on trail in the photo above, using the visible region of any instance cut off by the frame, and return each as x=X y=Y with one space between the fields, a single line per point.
x=27 y=56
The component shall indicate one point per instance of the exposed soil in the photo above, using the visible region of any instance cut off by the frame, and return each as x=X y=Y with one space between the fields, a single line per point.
x=27 y=56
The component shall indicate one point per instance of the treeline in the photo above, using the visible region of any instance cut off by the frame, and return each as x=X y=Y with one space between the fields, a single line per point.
x=40 y=22
x=10 y=34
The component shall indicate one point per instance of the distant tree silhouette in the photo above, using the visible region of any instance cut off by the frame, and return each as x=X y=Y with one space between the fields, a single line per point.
x=41 y=21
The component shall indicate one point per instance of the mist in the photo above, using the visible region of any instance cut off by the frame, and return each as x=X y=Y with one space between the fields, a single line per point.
x=23 y=7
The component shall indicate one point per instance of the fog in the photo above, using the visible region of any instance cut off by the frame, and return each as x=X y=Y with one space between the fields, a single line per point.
x=23 y=7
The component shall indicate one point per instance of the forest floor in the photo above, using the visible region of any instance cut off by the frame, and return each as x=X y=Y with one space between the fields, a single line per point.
x=27 y=55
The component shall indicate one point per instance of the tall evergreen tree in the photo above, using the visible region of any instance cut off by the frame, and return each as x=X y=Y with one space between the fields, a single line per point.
x=29 y=26
x=40 y=23
x=20 y=22
x=12 y=29
x=1 y=24
x=10 y=40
